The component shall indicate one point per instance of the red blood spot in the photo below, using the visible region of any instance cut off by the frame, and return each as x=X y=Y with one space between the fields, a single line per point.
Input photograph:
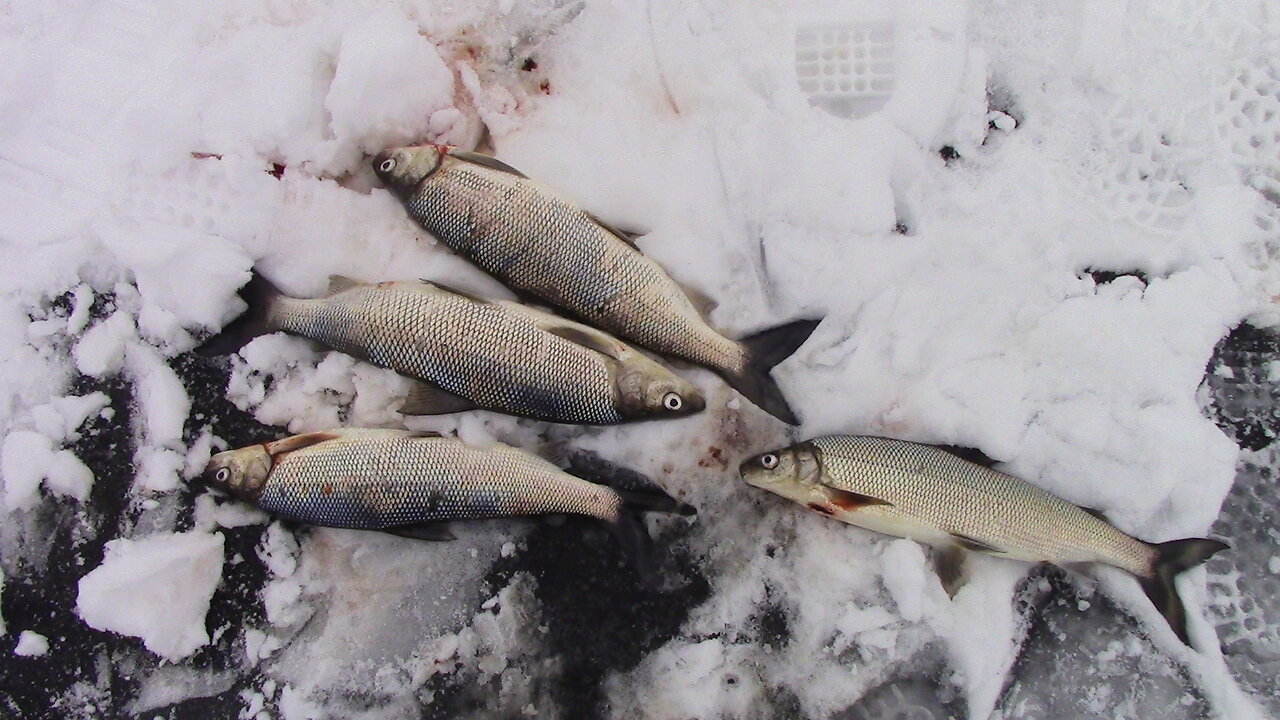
x=276 y=171
x=327 y=489
x=715 y=456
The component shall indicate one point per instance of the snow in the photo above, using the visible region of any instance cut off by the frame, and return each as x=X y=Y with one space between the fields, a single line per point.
x=31 y=644
x=138 y=185
x=156 y=588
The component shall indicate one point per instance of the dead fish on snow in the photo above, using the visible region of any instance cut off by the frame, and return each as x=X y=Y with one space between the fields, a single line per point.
x=471 y=352
x=541 y=245
x=931 y=495
x=413 y=483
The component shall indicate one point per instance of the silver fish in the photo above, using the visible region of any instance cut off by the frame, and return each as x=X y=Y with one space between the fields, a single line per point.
x=472 y=352
x=542 y=245
x=412 y=484
x=931 y=495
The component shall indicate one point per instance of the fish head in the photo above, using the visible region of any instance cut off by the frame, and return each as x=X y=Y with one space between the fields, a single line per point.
x=242 y=473
x=649 y=390
x=404 y=168
x=793 y=472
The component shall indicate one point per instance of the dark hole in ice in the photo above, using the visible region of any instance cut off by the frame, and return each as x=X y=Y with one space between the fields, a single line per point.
x=949 y=153
x=529 y=65
x=1244 y=395
x=1102 y=276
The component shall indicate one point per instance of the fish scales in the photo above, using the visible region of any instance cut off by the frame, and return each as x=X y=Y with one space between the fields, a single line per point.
x=415 y=331
x=975 y=502
x=387 y=482
x=613 y=285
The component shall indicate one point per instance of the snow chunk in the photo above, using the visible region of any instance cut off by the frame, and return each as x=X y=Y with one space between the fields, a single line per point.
x=389 y=82
x=28 y=458
x=31 y=644
x=157 y=589
x=101 y=349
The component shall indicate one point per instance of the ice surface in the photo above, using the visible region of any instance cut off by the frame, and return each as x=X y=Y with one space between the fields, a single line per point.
x=1028 y=234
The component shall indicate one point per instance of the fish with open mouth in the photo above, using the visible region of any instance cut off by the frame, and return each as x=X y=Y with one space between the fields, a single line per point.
x=471 y=352
x=414 y=483
x=541 y=245
x=932 y=495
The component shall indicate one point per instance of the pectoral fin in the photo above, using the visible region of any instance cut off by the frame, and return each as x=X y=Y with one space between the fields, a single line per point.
x=627 y=237
x=1096 y=513
x=586 y=338
x=969 y=543
x=427 y=399
x=338 y=283
x=951 y=564
x=492 y=163
x=438 y=532
x=846 y=500
x=449 y=288
x=279 y=448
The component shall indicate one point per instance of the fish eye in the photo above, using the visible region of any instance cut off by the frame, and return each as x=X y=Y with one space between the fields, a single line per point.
x=768 y=461
x=222 y=475
x=672 y=401
x=387 y=165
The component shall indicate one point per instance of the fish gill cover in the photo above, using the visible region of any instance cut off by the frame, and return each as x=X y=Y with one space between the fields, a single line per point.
x=1029 y=230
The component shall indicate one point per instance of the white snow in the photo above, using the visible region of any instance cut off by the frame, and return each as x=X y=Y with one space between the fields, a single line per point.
x=135 y=150
x=31 y=644
x=156 y=588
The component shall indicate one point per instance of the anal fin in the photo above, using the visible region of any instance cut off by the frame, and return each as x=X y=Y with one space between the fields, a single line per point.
x=425 y=398
x=436 y=532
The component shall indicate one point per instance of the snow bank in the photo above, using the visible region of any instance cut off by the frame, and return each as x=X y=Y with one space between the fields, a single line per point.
x=156 y=588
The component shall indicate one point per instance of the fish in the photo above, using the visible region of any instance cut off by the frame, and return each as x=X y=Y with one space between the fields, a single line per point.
x=469 y=352
x=413 y=484
x=932 y=495
x=543 y=246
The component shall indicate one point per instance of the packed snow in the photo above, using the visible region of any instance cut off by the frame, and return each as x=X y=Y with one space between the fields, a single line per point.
x=1026 y=224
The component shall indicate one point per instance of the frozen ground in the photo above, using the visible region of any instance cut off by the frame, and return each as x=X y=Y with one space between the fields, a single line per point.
x=1046 y=230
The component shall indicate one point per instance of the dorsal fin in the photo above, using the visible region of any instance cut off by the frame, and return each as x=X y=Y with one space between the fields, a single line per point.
x=973 y=455
x=485 y=161
x=338 y=283
x=449 y=288
x=626 y=237
x=585 y=338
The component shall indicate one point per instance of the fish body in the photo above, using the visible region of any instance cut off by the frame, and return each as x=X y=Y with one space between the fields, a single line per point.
x=500 y=356
x=412 y=484
x=930 y=495
x=539 y=244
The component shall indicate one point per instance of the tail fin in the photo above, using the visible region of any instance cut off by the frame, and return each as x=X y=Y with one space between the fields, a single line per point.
x=632 y=534
x=1173 y=558
x=764 y=350
x=258 y=294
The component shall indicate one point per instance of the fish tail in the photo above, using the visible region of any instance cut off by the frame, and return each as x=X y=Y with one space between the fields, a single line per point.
x=259 y=294
x=1172 y=559
x=764 y=350
x=629 y=528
